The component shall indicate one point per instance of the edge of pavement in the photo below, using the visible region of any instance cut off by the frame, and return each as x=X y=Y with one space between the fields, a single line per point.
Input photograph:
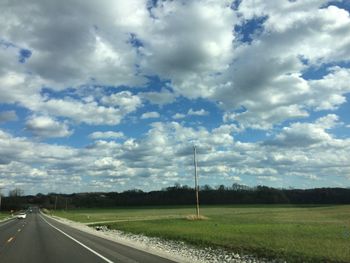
x=112 y=237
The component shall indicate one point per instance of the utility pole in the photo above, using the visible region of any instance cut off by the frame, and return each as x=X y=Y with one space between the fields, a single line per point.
x=0 y=197
x=196 y=180
x=55 y=202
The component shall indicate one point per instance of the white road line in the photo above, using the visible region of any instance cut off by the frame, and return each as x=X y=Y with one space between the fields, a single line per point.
x=72 y=238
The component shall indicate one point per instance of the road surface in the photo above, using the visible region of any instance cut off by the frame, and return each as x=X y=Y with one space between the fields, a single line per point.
x=38 y=239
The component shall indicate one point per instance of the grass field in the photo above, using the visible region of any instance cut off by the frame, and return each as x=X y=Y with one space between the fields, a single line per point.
x=295 y=233
x=3 y=215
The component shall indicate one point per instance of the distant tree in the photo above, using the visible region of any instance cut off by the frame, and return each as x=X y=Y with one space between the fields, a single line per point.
x=237 y=187
x=221 y=188
x=206 y=188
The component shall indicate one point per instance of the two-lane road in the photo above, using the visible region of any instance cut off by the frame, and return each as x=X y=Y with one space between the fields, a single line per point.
x=38 y=239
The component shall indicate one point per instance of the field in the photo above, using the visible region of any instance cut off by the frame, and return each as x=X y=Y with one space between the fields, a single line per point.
x=294 y=233
x=3 y=215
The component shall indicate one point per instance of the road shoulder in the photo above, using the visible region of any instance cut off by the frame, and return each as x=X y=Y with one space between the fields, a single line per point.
x=118 y=239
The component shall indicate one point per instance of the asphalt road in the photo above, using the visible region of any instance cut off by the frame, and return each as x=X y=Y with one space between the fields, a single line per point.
x=38 y=239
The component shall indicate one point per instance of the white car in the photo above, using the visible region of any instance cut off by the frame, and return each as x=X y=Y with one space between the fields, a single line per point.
x=21 y=215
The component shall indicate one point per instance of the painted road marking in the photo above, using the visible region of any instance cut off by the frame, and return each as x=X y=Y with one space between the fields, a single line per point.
x=72 y=238
x=10 y=239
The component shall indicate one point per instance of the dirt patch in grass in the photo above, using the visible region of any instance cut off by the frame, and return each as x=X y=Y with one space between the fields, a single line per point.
x=195 y=217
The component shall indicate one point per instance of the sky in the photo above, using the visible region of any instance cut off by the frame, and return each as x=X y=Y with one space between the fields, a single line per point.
x=112 y=95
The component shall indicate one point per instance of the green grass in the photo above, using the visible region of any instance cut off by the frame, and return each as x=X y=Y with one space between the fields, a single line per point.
x=123 y=214
x=295 y=233
x=4 y=215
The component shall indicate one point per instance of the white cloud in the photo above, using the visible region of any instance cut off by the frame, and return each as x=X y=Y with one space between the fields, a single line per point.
x=106 y=135
x=188 y=40
x=200 y=112
x=91 y=51
x=161 y=98
x=268 y=178
x=150 y=115
x=24 y=90
x=203 y=58
x=193 y=48
x=236 y=178
x=90 y=113
x=329 y=92
x=23 y=150
x=265 y=120
x=164 y=155
x=44 y=126
x=124 y=100
x=266 y=77
x=179 y=116
x=306 y=134
x=19 y=88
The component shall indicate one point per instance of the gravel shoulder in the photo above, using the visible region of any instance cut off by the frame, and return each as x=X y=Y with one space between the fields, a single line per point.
x=174 y=250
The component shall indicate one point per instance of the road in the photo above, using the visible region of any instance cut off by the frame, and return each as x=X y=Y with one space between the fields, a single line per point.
x=39 y=239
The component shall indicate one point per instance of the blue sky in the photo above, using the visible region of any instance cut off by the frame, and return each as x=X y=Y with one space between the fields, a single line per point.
x=111 y=95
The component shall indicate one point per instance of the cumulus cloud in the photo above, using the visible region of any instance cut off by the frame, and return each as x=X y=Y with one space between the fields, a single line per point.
x=106 y=135
x=83 y=49
x=268 y=178
x=70 y=64
x=45 y=126
x=186 y=39
x=306 y=134
x=160 y=98
x=203 y=58
x=236 y=178
x=25 y=90
x=221 y=158
x=267 y=76
x=124 y=100
x=90 y=39
x=177 y=116
x=200 y=112
x=89 y=112
x=26 y=151
x=150 y=115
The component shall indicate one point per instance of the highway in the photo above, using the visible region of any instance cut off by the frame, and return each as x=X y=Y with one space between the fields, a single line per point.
x=39 y=239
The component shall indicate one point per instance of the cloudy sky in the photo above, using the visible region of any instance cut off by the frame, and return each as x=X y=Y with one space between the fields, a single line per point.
x=111 y=95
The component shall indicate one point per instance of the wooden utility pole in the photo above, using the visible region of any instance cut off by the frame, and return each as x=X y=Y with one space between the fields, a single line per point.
x=0 y=197
x=55 y=202
x=196 y=180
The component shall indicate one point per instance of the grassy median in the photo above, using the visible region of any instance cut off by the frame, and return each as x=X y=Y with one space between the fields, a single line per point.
x=295 y=233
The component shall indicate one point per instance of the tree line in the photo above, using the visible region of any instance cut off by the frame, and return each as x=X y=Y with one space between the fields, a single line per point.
x=179 y=195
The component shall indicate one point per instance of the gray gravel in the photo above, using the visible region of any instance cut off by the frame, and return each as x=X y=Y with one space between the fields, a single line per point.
x=175 y=250
x=188 y=252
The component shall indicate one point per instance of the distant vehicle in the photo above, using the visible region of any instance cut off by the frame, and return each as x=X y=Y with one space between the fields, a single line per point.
x=21 y=215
